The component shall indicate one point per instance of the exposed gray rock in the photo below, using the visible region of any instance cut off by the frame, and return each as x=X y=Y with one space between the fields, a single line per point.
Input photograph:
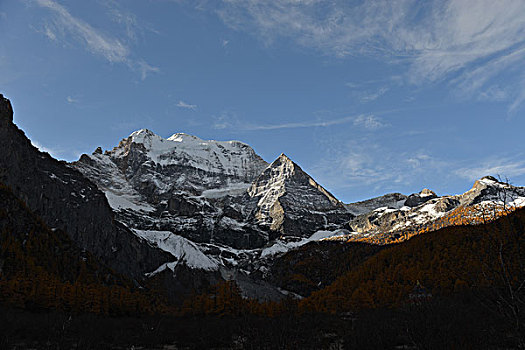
x=291 y=203
x=390 y=200
x=416 y=199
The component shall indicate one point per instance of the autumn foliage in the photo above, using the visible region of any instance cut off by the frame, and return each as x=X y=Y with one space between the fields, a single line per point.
x=449 y=260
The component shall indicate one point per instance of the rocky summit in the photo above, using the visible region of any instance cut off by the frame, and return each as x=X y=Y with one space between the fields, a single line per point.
x=291 y=203
x=210 y=191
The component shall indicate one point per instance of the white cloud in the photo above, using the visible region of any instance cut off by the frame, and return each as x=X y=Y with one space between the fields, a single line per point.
x=366 y=164
x=226 y=120
x=506 y=167
x=479 y=39
x=50 y=33
x=230 y=120
x=305 y=124
x=94 y=40
x=71 y=100
x=185 y=105
x=369 y=122
x=144 y=68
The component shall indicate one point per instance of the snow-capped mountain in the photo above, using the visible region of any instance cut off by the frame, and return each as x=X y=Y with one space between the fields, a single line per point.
x=213 y=205
x=183 y=209
x=218 y=192
x=217 y=204
x=182 y=184
x=422 y=209
x=148 y=165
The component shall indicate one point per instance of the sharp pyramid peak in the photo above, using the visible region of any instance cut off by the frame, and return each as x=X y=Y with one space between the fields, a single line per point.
x=283 y=159
x=283 y=156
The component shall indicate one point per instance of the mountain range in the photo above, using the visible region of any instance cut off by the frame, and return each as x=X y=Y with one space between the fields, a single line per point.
x=182 y=209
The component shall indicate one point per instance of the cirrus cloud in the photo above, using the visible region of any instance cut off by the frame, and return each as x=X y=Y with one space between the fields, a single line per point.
x=467 y=43
x=63 y=24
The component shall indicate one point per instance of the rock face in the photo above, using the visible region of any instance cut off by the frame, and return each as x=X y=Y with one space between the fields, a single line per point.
x=416 y=199
x=65 y=199
x=390 y=200
x=291 y=203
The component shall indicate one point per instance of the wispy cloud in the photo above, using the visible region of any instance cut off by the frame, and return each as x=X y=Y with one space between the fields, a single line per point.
x=302 y=124
x=436 y=39
x=144 y=68
x=369 y=122
x=374 y=95
x=365 y=166
x=71 y=100
x=185 y=105
x=229 y=120
x=506 y=167
x=94 y=40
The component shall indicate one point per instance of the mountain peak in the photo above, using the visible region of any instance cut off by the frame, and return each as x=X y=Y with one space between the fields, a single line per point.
x=285 y=192
x=486 y=181
x=283 y=160
x=141 y=134
x=183 y=137
x=6 y=110
x=426 y=193
x=489 y=180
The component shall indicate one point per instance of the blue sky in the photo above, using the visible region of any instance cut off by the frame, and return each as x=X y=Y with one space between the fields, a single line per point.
x=368 y=96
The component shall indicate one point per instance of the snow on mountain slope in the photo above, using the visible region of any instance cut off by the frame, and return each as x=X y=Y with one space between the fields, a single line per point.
x=390 y=200
x=281 y=246
x=148 y=166
x=218 y=204
x=119 y=192
x=183 y=249
x=230 y=158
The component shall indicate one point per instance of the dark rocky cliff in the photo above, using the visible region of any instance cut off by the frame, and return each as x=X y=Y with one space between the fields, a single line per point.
x=67 y=200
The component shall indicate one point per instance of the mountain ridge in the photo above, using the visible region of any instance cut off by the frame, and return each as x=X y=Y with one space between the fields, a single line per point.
x=67 y=200
x=158 y=208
